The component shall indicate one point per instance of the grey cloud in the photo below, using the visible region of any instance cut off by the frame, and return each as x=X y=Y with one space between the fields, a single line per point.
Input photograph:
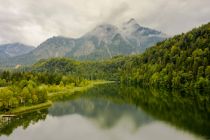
x=117 y=12
x=32 y=22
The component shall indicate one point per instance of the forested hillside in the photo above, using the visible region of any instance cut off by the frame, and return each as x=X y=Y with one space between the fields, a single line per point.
x=106 y=70
x=180 y=62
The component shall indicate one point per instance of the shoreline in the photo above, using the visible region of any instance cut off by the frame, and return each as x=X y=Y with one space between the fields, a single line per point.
x=55 y=95
x=52 y=97
x=28 y=109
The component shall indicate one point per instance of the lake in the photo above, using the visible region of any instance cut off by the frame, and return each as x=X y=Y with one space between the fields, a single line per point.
x=114 y=112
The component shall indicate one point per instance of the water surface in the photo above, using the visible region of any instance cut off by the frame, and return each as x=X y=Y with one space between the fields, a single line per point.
x=113 y=112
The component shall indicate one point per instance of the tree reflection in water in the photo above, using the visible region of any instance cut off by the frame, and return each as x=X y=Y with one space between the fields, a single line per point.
x=106 y=104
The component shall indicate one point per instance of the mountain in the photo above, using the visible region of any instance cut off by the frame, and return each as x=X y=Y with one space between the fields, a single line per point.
x=3 y=58
x=54 y=47
x=15 y=49
x=103 y=42
x=141 y=37
x=10 y=51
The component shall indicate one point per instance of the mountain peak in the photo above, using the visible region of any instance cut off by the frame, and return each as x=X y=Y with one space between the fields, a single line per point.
x=58 y=38
x=103 y=31
x=132 y=23
x=105 y=27
x=130 y=26
x=132 y=20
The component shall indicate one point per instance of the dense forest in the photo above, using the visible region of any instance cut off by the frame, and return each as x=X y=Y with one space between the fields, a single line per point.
x=179 y=62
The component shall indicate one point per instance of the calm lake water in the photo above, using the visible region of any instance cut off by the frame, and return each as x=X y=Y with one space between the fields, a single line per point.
x=113 y=112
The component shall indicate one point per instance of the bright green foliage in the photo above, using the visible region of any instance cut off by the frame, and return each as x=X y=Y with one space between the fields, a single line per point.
x=179 y=62
x=3 y=82
x=12 y=97
x=26 y=88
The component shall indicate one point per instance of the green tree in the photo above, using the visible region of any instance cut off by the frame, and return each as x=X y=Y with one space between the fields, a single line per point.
x=207 y=72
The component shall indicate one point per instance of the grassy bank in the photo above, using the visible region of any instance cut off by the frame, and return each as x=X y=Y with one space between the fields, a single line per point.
x=70 y=91
x=27 y=109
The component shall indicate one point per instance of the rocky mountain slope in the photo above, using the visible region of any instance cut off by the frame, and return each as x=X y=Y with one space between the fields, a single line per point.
x=15 y=49
x=103 y=42
x=8 y=51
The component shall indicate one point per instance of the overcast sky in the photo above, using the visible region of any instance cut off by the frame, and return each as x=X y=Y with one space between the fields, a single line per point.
x=33 y=21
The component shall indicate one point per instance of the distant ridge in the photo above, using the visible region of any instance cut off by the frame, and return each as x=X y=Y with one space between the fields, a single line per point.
x=103 y=42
